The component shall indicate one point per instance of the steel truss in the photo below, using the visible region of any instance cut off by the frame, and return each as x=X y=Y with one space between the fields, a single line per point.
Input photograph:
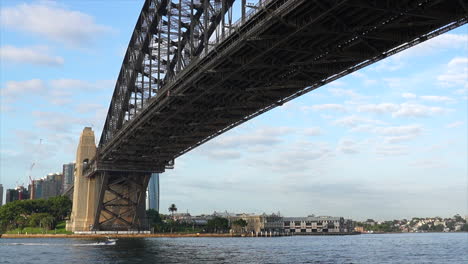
x=167 y=37
x=121 y=201
x=190 y=73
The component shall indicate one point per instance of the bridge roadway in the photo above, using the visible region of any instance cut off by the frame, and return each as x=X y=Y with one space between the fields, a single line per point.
x=287 y=48
x=189 y=76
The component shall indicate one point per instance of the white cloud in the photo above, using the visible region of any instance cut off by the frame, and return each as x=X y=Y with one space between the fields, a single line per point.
x=442 y=42
x=313 y=131
x=298 y=156
x=58 y=92
x=456 y=73
x=49 y=20
x=391 y=150
x=455 y=124
x=408 y=95
x=398 y=139
x=14 y=89
x=228 y=146
x=436 y=98
x=354 y=121
x=57 y=122
x=428 y=163
x=403 y=110
x=348 y=146
x=399 y=130
x=346 y=92
x=378 y=108
x=333 y=107
x=222 y=154
x=417 y=110
x=89 y=108
x=29 y=55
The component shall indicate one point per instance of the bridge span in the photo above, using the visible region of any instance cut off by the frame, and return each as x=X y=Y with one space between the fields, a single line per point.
x=191 y=73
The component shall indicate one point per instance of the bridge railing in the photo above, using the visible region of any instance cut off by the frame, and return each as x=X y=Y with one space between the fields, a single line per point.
x=254 y=9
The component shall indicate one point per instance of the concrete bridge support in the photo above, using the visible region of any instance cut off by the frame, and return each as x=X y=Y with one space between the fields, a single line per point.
x=108 y=200
x=84 y=188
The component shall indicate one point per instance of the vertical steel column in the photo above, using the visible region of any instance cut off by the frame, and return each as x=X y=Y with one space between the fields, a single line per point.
x=192 y=24
x=179 y=47
x=143 y=81
x=168 y=39
x=243 y=11
x=205 y=25
x=102 y=190
x=230 y=19
x=150 y=71
x=159 y=54
x=223 y=7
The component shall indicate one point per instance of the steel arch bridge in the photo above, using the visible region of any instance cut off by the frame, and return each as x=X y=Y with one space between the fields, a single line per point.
x=191 y=73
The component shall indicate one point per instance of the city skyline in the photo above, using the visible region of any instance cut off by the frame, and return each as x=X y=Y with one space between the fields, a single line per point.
x=386 y=142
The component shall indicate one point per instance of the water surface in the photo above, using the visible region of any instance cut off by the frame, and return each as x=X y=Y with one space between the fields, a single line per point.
x=375 y=248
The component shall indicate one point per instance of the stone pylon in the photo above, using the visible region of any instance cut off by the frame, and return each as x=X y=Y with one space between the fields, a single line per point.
x=85 y=189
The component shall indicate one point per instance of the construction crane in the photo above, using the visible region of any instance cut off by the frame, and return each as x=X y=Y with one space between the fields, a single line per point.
x=31 y=179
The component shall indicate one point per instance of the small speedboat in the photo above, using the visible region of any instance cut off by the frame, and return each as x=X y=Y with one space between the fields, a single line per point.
x=109 y=241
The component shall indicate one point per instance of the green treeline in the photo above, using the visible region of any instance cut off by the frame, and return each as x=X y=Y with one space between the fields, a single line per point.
x=166 y=224
x=41 y=213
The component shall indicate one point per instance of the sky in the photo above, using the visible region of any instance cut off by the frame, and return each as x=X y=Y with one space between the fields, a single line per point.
x=386 y=142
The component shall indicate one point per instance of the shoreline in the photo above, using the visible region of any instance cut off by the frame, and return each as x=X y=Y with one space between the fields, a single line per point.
x=183 y=235
x=111 y=235
x=175 y=235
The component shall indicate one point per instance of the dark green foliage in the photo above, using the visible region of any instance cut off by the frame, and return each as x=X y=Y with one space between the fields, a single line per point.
x=240 y=222
x=387 y=226
x=217 y=224
x=153 y=217
x=34 y=213
x=465 y=228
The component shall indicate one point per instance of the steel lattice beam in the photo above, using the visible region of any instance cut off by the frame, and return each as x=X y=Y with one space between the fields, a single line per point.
x=191 y=74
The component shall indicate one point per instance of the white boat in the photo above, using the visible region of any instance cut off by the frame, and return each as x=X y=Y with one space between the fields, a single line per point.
x=109 y=241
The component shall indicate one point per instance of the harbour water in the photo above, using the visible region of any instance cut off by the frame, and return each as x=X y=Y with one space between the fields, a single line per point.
x=369 y=248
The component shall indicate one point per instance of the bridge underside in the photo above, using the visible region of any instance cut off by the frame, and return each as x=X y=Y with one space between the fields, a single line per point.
x=287 y=48
x=175 y=93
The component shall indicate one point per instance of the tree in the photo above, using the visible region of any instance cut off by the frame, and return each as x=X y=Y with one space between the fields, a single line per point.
x=60 y=207
x=458 y=218
x=464 y=228
x=238 y=225
x=153 y=217
x=172 y=209
x=35 y=219
x=424 y=227
x=48 y=222
x=438 y=228
x=21 y=221
x=450 y=225
x=217 y=224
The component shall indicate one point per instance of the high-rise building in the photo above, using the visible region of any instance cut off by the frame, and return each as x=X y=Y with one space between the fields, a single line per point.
x=68 y=175
x=152 y=197
x=20 y=193
x=49 y=186
x=1 y=194
x=11 y=195
x=52 y=185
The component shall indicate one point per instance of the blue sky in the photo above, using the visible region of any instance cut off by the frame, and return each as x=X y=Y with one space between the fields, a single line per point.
x=389 y=141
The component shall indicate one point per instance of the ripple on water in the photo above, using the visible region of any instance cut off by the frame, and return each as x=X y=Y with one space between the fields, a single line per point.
x=404 y=248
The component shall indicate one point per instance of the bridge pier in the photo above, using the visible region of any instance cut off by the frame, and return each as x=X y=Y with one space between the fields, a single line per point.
x=121 y=201
x=108 y=200
x=84 y=188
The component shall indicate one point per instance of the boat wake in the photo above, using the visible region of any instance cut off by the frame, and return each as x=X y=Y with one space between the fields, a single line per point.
x=49 y=244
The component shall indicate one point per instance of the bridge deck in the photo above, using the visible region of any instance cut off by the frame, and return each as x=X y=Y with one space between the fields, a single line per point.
x=286 y=49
